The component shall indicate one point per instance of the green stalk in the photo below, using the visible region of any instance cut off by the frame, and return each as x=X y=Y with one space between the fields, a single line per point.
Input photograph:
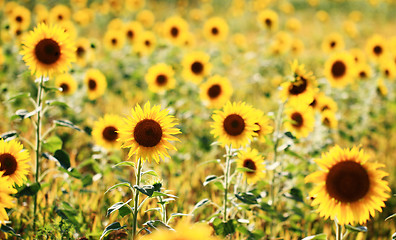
x=38 y=146
x=226 y=177
x=136 y=206
x=338 y=231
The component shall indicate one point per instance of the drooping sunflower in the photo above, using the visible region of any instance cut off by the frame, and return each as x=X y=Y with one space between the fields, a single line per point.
x=147 y=133
x=14 y=161
x=133 y=30
x=59 y=13
x=263 y=122
x=7 y=201
x=145 y=43
x=235 y=124
x=216 y=91
x=174 y=28
x=349 y=187
x=105 y=131
x=48 y=50
x=114 y=40
x=301 y=87
x=251 y=163
x=196 y=66
x=340 y=69
x=376 y=47
x=333 y=42
x=20 y=18
x=216 y=29
x=329 y=119
x=300 y=119
x=160 y=78
x=66 y=83
x=96 y=83
x=268 y=19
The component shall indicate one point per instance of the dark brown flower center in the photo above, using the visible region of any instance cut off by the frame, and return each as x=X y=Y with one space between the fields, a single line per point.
x=234 y=124
x=386 y=72
x=268 y=22
x=130 y=34
x=110 y=134
x=313 y=103
x=65 y=87
x=326 y=122
x=47 y=51
x=347 y=181
x=298 y=87
x=80 y=52
x=215 y=31
x=250 y=164
x=197 y=67
x=214 y=91
x=147 y=133
x=161 y=79
x=338 y=69
x=377 y=50
x=8 y=164
x=92 y=84
x=363 y=74
x=147 y=43
x=332 y=44
x=174 y=32
x=258 y=131
x=60 y=17
x=298 y=119
x=114 y=41
x=19 y=19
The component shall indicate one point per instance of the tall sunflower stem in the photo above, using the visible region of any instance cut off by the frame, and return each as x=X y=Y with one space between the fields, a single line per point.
x=226 y=177
x=339 y=235
x=38 y=146
x=136 y=205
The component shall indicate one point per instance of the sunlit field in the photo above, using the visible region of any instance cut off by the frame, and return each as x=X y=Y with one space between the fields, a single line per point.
x=198 y=119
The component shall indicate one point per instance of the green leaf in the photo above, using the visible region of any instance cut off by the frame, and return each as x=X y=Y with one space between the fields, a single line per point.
x=118 y=206
x=125 y=163
x=28 y=190
x=266 y=207
x=294 y=154
x=243 y=169
x=224 y=228
x=201 y=203
x=9 y=134
x=157 y=224
x=72 y=172
x=146 y=189
x=209 y=179
x=391 y=216
x=63 y=158
x=160 y=194
x=219 y=185
x=87 y=180
x=356 y=229
x=294 y=194
x=23 y=113
x=321 y=236
x=67 y=123
x=20 y=95
x=123 y=184
x=8 y=229
x=290 y=135
x=150 y=172
x=57 y=103
x=112 y=227
x=52 y=144
x=68 y=213
x=248 y=198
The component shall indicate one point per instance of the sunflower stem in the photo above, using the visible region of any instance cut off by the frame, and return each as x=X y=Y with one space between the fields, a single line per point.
x=338 y=231
x=38 y=146
x=226 y=177
x=138 y=175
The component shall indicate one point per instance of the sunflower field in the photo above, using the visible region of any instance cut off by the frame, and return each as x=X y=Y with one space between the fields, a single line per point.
x=198 y=119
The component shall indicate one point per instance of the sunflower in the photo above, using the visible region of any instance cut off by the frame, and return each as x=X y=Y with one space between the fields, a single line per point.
x=329 y=119
x=263 y=122
x=134 y=5
x=339 y=69
x=184 y=230
x=376 y=47
x=293 y=24
x=14 y=161
x=116 y=24
x=59 y=13
x=381 y=87
x=268 y=19
x=235 y=124
x=239 y=40
x=301 y=87
x=216 y=91
x=388 y=69
x=95 y=82
x=114 y=40
x=146 y=18
x=6 y=201
x=69 y=28
x=296 y=47
x=300 y=119
x=174 y=28
x=41 y=13
x=364 y=71
x=333 y=42
x=48 y=50
x=145 y=43
x=326 y=103
x=20 y=18
x=83 y=51
x=252 y=164
x=147 y=133
x=188 y=40
x=196 y=66
x=349 y=187
x=215 y=29
x=66 y=83
x=84 y=16
x=105 y=131
x=133 y=30
x=160 y=78
x=358 y=55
